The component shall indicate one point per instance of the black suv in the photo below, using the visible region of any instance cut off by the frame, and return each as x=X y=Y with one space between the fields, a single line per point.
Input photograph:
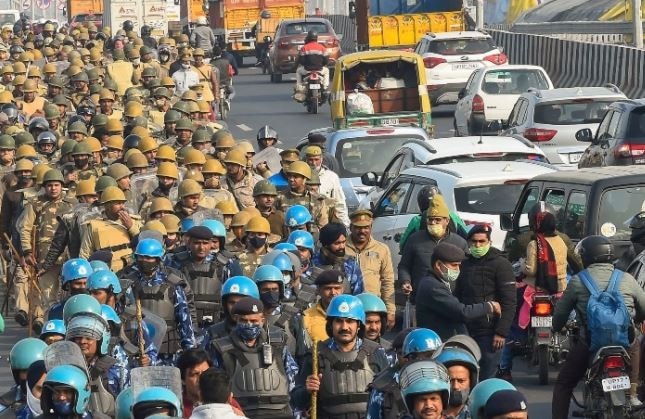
x=589 y=201
x=620 y=139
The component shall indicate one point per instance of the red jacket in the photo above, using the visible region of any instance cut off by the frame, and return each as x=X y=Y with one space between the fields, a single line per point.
x=313 y=56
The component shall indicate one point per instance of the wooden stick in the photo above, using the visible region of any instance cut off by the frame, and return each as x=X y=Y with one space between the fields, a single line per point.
x=314 y=368
x=142 y=343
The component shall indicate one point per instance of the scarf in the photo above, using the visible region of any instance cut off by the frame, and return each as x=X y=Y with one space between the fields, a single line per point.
x=546 y=276
x=332 y=259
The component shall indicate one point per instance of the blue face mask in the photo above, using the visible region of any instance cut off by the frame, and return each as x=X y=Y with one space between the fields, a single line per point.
x=63 y=408
x=248 y=331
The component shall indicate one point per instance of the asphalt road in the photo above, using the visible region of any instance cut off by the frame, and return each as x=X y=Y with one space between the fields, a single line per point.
x=259 y=102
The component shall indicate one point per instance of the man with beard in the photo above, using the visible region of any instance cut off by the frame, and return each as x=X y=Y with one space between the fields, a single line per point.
x=333 y=239
x=463 y=371
x=238 y=180
x=106 y=105
x=184 y=128
x=344 y=354
x=74 y=273
x=375 y=261
x=375 y=317
x=425 y=386
x=81 y=154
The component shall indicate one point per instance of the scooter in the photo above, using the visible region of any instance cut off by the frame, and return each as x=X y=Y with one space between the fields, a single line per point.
x=313 y=91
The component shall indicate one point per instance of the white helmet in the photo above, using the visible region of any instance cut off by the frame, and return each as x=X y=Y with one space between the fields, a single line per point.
x=202 y=20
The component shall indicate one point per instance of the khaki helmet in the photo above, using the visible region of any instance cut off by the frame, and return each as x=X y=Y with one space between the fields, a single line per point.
x=112 y=194
x=95 y=54
x=137 y=161
x=49 y=68
x=246 y=147
x=118 y=171
x=113 y=125
x=195 y=175
x=7 y=69
x=155 y=225
x=258 y=224
x=94 y=144
x=53 y=175
x=181 y=107
x=103 y=182
x=49 y=52
x=25 y=151
x=99 y=120
x=19 y=67
x=168 y=169
x=194 y=156
x=315 y=179
x=168 y=82
x=163 y=92
x=29 y=86
x=160 y=203
x=23 y=137
x=6 y=97
x=213 y=166
x=19 y=80
x=189 y=187
x=77 y=126
x=204 y=107
x=227 y=207
x=115 y=142
x=140 y=131
x=133 y=109
x=253 y=211
x=93 y=76
x=39 y=172
x=166 y=152
x=149 y=72
x=235 y=156
x=23 y=165
x=147 y=144
x=67 y=147
x=189 y=95
x=192 y=107
x=81 y=149
x=51 y=112
x=7 y=142
x=264 y=187
x=299 y=168
x=241 y=218
x=34 y=71
x=106 y=94
x=185 y=124
x=171 y=222
x=201 y=135
x=129 y=153
x=86 y=187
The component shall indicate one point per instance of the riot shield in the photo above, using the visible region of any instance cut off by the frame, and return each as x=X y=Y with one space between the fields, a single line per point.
x=203 y=214
x=158 y=376
x=155 y=326
x=64 y=352
x=141 y=186
x=271 y=156
x=86 y=212
x=269 y=257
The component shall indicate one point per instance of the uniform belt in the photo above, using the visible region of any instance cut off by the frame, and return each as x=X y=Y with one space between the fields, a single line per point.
x=116 y=248
x=260 y=400
x=346 y=399
x=207 y=297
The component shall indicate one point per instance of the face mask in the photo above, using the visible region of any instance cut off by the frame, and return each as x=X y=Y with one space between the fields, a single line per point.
x=450 y=275
x=257 y=242
x=33 y=403
x=458 y=398
x=62 y=408
x=136 y=61
x=286 y=278
x=164 y=58
x=81 y=163
x=147 y=267
x=185 y=66
x=436 y=230
x=478 y=252
x=270 y=299
x=248 y=331
x=78 y=291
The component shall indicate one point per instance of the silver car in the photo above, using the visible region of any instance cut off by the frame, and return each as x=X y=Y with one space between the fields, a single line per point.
x=551 y=118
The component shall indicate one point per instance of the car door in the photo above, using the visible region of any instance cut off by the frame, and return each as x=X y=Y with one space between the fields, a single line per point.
x=462 y=110
x=517 y=118
x=595 y=154
x=389 y=209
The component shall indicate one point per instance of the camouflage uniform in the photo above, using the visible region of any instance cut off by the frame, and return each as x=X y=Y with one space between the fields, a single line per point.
x=317 y=205
x=42 y=214
x=250 y=260
x=242 y=190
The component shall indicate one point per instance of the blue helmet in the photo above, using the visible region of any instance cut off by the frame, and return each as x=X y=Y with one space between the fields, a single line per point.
x=481 y=393
x=66 y=376
x=283 y=262
x=80 y=304
x=109 y=315
x=346 y=306
x=99 y=265
x=53 y=327
x=268 y=273
x=216 y=227
x=25 y=352
x=297 y=215
x=75 y=269
x=155 y=397
x=421 y=340
x=92 y=327
x=150 y=248
x=450 y=355
x=104 y=280
x=123 y=404
x=185 y=224
x=286 y=247
x=302 y=238
x=371 y=303
x=423 y=377
x=240 y=285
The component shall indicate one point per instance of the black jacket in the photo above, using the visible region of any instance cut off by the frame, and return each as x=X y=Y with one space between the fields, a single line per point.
x=442 y=312
x=489 y=278
x=415 y=259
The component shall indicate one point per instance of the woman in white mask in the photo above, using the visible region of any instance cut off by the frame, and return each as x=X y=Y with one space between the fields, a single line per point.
x=35 y=378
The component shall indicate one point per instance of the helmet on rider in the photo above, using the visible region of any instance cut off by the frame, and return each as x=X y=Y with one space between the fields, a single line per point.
x=595 y=249
x=312 y=36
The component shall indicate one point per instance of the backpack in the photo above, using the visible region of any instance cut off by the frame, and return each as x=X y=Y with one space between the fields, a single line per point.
x=608 y=320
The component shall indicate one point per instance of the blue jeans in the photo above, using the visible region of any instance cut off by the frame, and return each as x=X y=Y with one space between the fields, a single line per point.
x=490 y=357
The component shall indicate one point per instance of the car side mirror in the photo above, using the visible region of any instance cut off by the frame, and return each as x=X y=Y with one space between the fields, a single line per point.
x=506 y=221
x=388 y=210
x=462 y=93
x=369 y=179
x=267 y=39
x=352 y=10
x=584 y=135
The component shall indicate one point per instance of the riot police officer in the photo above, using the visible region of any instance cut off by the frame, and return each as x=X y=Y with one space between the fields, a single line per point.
x=23 y=354
x=75 y=274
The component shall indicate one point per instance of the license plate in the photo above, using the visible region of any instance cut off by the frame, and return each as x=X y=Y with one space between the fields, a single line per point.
x=390 y=121
x=465 y=66
x=314 y=86
x=639 y=161
x=615 y=383
x=537 y=321
x=574 y=157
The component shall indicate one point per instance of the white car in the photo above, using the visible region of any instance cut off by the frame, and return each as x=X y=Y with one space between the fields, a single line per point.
x=451 y=57
x=551 y=118
x=490 y=94
x=478 y=191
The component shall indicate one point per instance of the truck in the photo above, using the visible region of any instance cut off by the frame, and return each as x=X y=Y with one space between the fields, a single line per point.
x=244 y=23
x=83 y=11
x=147 y=12
x=190 y=11
x=400 y=24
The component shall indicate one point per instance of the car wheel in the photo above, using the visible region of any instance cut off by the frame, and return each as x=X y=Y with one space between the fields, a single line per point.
x=277 y=77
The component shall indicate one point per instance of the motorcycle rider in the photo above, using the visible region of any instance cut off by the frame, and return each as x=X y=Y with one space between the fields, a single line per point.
x=312 y=57
x=222 y=64
x=597 y=254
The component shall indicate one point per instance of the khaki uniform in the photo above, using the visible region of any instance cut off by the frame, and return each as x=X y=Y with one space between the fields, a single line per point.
x=234 y=245
x=317 y=205
x=242 y=190
x=375 y=262
x=276 y=221
x=219 y=195
x=249 y=261
x=122 y=72
x=31 y=108
x=42 y=214
x=116 y=114
x=156 y=116
x=105 y=234
x=315 y=321
x=78 y=98
x=205 y=72
x=88 y=173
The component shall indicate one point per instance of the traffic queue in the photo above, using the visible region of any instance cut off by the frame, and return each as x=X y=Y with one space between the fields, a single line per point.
x=164 y=269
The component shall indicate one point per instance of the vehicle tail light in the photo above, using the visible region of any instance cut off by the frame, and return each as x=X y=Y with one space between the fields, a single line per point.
x=380 y=131
x=432 y=62
x=629 y=150
x=313 y=76
x=497 y=59
x=478 y=104
x=332 y=43
x=283 y=44
x=539 y=135
x=542 y=308
x=488 y=155
x=516 y=182
x=613 y=362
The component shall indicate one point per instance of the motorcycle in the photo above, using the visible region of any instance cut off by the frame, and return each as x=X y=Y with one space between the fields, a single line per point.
x=224 y=102
x=314 y=94
x=264 y=55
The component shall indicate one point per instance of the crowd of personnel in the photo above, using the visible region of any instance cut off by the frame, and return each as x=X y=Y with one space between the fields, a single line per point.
x=136 y=227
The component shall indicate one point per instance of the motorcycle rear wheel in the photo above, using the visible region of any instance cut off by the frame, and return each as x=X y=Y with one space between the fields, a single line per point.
x=543 y=364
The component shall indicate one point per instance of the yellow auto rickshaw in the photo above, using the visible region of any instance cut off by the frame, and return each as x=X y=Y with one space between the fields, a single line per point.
x=380 y=88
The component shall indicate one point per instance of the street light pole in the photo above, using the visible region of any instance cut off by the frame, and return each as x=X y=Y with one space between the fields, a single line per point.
x=638 y=23
x=479 y=14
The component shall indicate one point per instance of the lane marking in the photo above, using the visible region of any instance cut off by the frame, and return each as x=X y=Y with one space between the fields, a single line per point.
x=244 y=127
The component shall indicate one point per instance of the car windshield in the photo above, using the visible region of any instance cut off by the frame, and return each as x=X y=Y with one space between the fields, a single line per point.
x=488 y=199
x=617 y=207
x=501 y=156
x=513 y=82
x=369 y=154
x=462 y=46
x=571 y=112
x=7 y=18
x=304 y=27
x=636 y=125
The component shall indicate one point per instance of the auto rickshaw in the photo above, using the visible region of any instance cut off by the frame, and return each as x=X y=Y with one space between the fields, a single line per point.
x=380 y=88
